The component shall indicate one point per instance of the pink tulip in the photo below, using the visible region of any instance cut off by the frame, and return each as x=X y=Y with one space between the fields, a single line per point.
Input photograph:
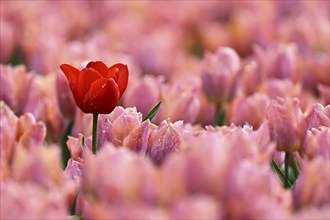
x=7 y=39
x=250 y=77
x=8 y=125
x=286 y=123
x=18 y=133
x=137 y=182
x=178 y=96
x=315 y=69
x=280 y=88
x=15 y=86
x=164 y=140
x=143 y=93
x=279 y=62
x=200 y=176
x=317 y=116
x=14 y=194
x=263 y=195
x=64 y=96
x=242 y=108
x=47 y=110
x=82 y=124
x=29 y=132
x=313 y=184
x=172 y=179
x=152 y=51
x=219 y=71
x=317 y=143
x=137 y=139
x=117 y=125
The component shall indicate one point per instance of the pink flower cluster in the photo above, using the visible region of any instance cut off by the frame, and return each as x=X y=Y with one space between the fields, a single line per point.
x=263 y=64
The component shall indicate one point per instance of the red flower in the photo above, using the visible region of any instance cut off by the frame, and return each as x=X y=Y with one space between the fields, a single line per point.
x=97 y=88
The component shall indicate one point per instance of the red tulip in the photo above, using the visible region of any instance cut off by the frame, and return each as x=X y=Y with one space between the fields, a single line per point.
x=97 y=88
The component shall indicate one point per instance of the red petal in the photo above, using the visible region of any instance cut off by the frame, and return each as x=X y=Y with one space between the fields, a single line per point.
x=70 y=72
x=102 y=97
x=99 y=66
x=86 y=78
x=120 y=73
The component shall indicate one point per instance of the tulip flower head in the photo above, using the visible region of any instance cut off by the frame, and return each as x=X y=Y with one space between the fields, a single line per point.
x=97 y=88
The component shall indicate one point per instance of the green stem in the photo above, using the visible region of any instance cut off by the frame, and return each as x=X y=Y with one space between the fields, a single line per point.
x=219 y=115
x=286 y=169
x=65 y=153
x=95 y=116
x=295 y=168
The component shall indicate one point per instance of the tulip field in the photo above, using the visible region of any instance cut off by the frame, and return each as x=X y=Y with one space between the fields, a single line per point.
x=164 y=109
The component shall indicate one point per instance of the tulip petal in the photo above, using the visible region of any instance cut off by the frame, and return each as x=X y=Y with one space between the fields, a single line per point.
x=86 y=78
x=120 y=73
x=99 y=66
x=102 y=97
x=71 y=73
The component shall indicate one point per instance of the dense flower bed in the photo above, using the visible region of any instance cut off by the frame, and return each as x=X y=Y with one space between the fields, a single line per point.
x=242 y=131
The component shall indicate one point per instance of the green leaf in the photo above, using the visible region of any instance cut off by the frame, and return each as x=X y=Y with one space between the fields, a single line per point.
x=295 y=168
x=292 y=176
x=279 y=172
x=153 y=112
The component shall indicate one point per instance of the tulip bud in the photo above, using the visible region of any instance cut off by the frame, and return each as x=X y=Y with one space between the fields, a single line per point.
x=183 y=97
x=134 y=172
x=242 y=108
x=316 y=69
x=116 y=126
x=280 y=88
x=313 y=185
x=64 y=96
x=317 y=116
x=144 y=94
x=29 y=132
x=8 y=127
x=219 y=73
x=8 y=39
x=278 y=62
x=239 y=188
x=47 y=110
x=137 y=139
x=202 y=176
x=250 y=77
x=317 y=143
x=15 y=86
x=51 y=206
x=284 y=65
x=286 y=124
x=163 y=141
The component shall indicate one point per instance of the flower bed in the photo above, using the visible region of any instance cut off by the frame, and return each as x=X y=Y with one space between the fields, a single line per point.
x=192 y=110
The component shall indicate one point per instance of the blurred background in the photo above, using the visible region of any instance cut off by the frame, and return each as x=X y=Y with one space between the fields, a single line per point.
x=154 y=34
